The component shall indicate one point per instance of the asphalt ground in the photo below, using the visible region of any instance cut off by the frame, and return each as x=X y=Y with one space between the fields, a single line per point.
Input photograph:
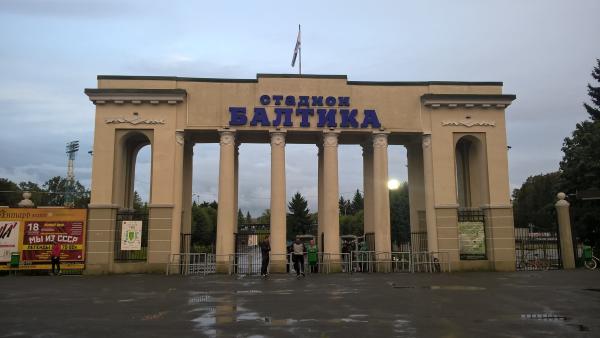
x=521 y=304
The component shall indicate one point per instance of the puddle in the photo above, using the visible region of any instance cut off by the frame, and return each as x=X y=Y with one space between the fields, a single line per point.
x=248 y=292
x=439 y=287
x=596 y=290
x=554 y=318
x=456 y=287
x=125 y=300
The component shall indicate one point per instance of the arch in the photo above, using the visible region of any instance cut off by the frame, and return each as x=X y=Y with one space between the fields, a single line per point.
x=471 y=171
x=128 y=144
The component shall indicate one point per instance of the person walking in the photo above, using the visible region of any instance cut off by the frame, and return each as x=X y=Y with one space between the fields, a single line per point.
x=265 y=249
x=313 y=256
x=55 y=257
x=298 y=257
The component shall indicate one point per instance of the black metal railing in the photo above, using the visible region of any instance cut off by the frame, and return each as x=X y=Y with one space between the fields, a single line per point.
x=537 y=249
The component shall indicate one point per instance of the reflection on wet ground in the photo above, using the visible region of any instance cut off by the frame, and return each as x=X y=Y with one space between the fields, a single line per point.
x=548 y=303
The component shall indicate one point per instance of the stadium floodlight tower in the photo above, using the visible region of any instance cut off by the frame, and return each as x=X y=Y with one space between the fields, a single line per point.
x=72 y=148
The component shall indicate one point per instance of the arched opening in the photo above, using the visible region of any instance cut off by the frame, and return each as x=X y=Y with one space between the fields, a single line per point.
x=471 y=183
x=132 y=217
x=128 y=147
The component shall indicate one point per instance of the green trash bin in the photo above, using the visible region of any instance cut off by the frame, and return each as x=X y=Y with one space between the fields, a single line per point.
x=587 y=252
x=14 y=260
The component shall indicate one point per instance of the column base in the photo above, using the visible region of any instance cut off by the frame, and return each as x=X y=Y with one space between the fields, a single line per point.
x=223 y=267
x=278 y=266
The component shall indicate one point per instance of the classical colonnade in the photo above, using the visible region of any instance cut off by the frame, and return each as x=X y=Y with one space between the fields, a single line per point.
x=376 y=195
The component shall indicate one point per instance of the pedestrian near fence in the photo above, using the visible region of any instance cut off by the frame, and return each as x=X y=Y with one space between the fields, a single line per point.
x=265 y=249
x=298 y=257
x=313 y=256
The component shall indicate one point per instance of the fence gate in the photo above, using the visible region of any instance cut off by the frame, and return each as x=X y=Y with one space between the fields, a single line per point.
x=537 y=250
x=248 y=258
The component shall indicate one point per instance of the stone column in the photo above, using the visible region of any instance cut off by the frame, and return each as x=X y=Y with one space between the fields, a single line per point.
x=564 y=227
x=177 y=193
x=278 y=202
x=416 y=188
x=432 y=238
x=321 y=209
x=188 y=164
x=381 y=197
x=225 y=212
x=367 y=151
x=331 y=213
x=236 y=185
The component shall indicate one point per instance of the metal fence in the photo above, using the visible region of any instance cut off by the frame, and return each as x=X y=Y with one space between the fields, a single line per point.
x=131 y=255
x=537 y=250
x=354 y=262
x=247 y=259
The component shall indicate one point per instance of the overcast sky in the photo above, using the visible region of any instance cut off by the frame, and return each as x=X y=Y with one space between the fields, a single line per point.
x=543 y=51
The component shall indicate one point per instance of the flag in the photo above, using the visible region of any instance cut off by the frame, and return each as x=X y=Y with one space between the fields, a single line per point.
x=297 y=48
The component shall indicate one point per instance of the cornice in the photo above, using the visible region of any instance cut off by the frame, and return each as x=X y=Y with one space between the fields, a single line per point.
x=497 y=101
x=135 y=96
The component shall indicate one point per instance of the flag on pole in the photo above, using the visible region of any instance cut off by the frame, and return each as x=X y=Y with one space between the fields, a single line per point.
x=297 y=48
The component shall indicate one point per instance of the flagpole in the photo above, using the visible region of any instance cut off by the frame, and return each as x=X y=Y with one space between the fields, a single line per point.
x=300 y=51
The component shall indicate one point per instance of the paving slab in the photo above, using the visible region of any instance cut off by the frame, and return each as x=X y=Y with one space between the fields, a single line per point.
x=477 y=304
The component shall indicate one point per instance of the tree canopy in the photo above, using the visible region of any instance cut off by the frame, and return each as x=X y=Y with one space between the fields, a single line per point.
x=580 y=167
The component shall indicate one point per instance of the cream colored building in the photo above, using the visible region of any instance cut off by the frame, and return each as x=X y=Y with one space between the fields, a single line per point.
x=454 y=133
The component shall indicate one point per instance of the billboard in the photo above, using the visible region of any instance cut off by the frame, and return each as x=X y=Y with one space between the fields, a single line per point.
x=39 y=227
x=9 y=239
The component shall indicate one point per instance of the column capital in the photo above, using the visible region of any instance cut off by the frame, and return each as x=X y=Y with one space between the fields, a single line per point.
x=277 y=137
x=330 y=138
x=380 y=139
x=426 y=141
x=227 y=137
x=180 y=136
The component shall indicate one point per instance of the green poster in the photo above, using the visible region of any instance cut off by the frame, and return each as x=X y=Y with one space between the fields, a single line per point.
x=471 y=237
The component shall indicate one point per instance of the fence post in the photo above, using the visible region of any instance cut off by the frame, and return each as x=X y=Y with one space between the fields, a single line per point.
x=564 y=227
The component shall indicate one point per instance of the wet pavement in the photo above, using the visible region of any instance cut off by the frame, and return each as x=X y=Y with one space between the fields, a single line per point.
x=523 y=304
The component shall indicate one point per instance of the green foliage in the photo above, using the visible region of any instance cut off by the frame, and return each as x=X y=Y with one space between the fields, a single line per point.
x=7 y=197
x=56 y=188
x=357 y=202
x=52 y=193
x=248 y=218
x=400 y=214
x=533 y=203
x=265 y=217
x=240 y=217
x=345 y=207
x=298 y=220
x=580 y=167
x=138 y=204
x=204 y=227
x=352 y=224
x=594 y=93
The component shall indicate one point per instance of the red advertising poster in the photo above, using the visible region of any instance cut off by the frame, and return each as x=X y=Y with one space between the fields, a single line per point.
x=39 y=235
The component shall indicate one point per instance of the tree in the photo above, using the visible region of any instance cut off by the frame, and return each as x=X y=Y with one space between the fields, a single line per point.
x=37 y=193
x=240 y=217
x=594 y=93
x=344 y=206
x=248 y=218
x=138 y=204
x=265 y=218
x=580 y=167
x=400 y=214
x=8 y=197
x=298 y=220
x=357 y=202
x=204 y=227
x=56 y=188
x=533 y=202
